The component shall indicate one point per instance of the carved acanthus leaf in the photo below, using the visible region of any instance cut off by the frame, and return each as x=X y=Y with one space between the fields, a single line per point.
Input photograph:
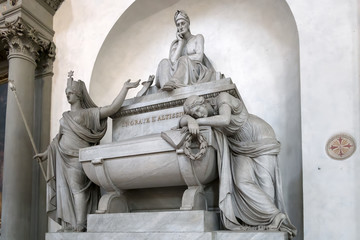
x=51 y=5
x=46 y=59
x=54 y=4
x=22 y=38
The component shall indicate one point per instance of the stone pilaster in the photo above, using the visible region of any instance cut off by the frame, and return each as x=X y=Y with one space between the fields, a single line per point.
x=43 y=85
x=25 y=45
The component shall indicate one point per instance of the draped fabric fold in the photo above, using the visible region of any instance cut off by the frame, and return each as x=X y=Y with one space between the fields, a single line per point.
x=250 y=191
x=184 y=71
x=65 y=175
x=242 y=199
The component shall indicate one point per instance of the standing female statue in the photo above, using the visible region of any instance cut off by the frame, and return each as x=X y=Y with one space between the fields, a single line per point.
x=187 y=63
x=250 y=194
x=70 y=194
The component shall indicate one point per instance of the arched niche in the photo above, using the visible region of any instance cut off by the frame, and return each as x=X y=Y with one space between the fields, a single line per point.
x=253 y=42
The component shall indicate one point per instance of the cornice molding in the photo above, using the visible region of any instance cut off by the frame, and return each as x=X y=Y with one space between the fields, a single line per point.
x=51 y=5
x=21 y=38
x=27 y=16
x=164 y=105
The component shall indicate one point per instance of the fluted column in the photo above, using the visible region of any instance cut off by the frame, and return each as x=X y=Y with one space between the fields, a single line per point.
x=24 y=45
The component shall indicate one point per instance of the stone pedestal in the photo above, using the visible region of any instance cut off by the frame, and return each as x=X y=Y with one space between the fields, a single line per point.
x=233 y=235
x=179 y=225
x=155 y=222
x=219 y=235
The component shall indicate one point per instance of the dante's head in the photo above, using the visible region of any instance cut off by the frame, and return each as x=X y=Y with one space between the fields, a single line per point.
x=182 y=22
x=181 y=15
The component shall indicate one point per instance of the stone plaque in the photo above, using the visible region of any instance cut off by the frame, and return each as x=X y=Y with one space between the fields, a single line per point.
x=161 y=111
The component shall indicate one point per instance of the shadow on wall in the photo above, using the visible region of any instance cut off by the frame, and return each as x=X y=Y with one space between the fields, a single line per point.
x=3 y=100
x=253 y=42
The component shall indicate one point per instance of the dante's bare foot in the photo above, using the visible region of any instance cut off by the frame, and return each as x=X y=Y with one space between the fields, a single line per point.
x=169 y=86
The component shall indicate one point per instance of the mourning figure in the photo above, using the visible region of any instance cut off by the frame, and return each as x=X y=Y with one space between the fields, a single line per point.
x=250 y=192
x=187 y=63
x=70 y=194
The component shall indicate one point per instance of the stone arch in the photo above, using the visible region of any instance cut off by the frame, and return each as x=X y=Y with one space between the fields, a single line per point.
x=256 y=43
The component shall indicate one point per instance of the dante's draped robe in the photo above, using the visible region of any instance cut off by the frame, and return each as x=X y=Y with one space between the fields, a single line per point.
x=184 y=71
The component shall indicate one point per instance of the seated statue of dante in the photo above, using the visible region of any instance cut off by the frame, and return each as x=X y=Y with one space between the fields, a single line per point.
x=250 y=192
x=187 y=63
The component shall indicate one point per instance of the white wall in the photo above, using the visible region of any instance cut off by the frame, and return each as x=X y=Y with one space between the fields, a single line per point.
x=329 y=66
x=81 y=27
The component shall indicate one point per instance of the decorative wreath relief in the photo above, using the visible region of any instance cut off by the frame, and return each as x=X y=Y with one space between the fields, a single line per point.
x=203 y=147
x=340 y=146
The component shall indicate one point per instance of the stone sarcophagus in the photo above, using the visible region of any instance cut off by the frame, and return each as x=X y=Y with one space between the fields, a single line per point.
x=145 y=169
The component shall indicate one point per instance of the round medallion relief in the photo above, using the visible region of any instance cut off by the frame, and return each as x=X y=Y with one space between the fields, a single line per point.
x=340 y=146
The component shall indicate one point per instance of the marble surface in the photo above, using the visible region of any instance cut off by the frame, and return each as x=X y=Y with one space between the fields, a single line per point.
x=160 y=111
x=129 y=236
x=233 y=235
x=143 y=163
x=171 y=222
x=220 y=235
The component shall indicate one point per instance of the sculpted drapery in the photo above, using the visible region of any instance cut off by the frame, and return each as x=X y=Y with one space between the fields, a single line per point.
x=70 y=194
x=187 y=63
x=184 y=71
x=250 y=191
x=66 y=177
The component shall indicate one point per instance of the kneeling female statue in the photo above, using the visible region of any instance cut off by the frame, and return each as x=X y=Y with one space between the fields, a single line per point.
x=250 y=192
x=70 y=194
x=187 y=63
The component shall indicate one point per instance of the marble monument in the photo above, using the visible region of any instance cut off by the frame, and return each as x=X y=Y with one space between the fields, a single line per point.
x=187 y=160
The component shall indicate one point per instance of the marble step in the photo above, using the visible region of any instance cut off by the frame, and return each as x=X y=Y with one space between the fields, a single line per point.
x=217 y=235
x=147 y=222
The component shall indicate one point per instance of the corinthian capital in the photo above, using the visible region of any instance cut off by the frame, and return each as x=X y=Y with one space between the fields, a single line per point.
x=21 y=38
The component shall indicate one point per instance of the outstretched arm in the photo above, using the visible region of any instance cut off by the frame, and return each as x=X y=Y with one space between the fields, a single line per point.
x=116 y=104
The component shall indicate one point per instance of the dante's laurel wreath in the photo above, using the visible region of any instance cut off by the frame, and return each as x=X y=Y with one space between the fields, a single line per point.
x=202 y=148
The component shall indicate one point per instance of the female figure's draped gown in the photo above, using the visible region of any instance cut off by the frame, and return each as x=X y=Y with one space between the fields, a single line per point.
x=65 y=175
x=250 y=186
